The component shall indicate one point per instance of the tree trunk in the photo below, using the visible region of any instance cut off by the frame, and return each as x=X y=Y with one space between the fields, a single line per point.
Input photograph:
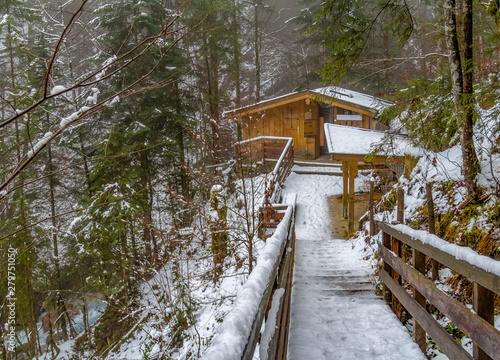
x=257 y=52
x=453 y=51
x=61 y=307
x=184 y=180
x=86 y=167
x=385 y=33
x=461 y=77
x=236 y=56
x=493 y=8
x=148 y=237
x=470 y=162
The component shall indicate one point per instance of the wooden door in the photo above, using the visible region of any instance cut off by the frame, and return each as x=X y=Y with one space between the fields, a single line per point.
x=292 y=122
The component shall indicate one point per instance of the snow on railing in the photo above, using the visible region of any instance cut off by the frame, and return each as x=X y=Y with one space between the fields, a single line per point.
x=281 y=169
x=263 y=138
x=238 y=333
x=482 y=271
x=464 y=253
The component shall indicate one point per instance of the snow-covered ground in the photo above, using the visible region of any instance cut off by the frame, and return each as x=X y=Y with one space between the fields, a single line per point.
x=335 y=313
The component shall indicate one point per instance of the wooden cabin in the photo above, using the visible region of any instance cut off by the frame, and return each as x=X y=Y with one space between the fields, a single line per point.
x=302 y=115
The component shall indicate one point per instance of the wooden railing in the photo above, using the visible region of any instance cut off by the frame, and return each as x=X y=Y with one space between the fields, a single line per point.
x=482 y=271
x=281 y=288
x=265 y=150
x=270 y=287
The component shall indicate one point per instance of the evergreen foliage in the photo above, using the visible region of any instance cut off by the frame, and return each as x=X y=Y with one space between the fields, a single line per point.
x=113 y=135
x=425 y=109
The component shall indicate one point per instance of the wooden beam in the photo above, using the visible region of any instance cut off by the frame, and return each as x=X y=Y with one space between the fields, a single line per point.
x=321 y=131
x=418 y=259
x=484 y=306
x=353 y=171
x=432 y=226
x=370 y=209
x=396 y=304
x=372 y=166
x=345 y=184
x=362 y=158
x=366 y=196
x=401 y=206
x=386 y=242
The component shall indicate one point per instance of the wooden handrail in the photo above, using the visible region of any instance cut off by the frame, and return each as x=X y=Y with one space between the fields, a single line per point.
x=477 y=326
x=473 y=273
x=268 y=148
x=280 y=275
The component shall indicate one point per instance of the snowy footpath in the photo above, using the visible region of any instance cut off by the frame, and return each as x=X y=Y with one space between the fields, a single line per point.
x=335 y=313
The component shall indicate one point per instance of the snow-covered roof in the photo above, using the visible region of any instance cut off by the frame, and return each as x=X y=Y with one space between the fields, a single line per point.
x=346 y=140
x=330 y=94
x=353 y=97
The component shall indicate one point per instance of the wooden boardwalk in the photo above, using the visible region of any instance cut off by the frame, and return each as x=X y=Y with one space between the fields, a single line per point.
x=335 y=313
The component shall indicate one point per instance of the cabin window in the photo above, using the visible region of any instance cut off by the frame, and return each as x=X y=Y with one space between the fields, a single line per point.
x=327 y=113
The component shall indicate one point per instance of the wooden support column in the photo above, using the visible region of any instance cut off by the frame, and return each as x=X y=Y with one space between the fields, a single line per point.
x=483 y=300
x=321 y=131
x=396 y=304
x=418 y=331
x=370 y=208
x=386 y=242
x=401 y=206
x=353 y=171
x=396 y=248
x=345 y=179
x=432 y=226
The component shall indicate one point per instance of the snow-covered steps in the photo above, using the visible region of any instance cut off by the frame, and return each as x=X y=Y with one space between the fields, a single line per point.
x=335 y=313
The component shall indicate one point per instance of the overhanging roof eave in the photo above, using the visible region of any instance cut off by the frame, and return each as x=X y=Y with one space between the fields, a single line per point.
x=286 y=99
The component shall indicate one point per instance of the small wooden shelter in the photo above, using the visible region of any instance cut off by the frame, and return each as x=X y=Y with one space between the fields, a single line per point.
x=362 y=149
x=302 y=115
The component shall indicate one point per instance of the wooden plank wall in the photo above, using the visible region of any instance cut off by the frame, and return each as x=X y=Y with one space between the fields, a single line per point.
x=272 y=123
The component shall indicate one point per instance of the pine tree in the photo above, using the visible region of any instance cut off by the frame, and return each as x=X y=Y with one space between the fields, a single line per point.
x=17 y=212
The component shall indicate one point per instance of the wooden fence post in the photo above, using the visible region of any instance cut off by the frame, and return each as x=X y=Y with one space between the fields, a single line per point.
x=386 y=242
x=432 y=226
x=218 y=228
x=484 y=306
x=396 y=248
x=345 y=183
x=418 y=331
x=353 y=171
x=371 y=204
x=401 y=206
